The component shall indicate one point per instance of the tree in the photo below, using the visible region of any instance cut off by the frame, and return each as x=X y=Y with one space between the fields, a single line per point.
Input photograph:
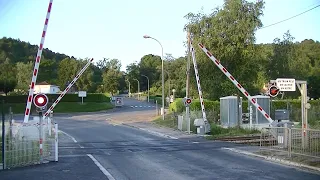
x=111 y=76
x=85 y=82
x=68 y=69
x=282 y=57
x=133 y=72
x=150 y=65
x=229 y=33
x=7 y=76
x=48 y=71
x=24 y=75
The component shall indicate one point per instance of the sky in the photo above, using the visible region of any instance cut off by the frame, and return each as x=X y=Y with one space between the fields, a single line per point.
x=115 y=28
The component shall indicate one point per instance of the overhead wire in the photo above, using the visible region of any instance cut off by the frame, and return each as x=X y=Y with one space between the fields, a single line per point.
x=290 y=17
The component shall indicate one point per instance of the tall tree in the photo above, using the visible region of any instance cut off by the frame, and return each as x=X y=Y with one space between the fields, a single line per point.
x=24 y=74
x=7 y=76
x=111 y=76
x=68 y=69
x=229 y=33
x=85 y=82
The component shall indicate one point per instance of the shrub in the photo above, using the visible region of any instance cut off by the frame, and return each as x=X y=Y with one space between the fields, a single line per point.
x=91 y=97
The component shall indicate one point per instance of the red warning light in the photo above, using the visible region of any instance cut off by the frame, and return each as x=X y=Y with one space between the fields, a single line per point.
x=40 y=100
x=188 y=101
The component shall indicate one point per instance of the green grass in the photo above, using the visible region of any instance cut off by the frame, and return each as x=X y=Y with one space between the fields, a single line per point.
x=217 y=131
x=169 y=121
x=78 y=107
x=67 y=107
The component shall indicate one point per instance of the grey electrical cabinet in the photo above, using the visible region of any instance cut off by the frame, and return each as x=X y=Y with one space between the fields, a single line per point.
x=230 y=111
x=264 y=102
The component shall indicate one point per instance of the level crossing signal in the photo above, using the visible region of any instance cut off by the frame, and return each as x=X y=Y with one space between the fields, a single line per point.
x=187 y=101
x=273 y=91
x=40 y=101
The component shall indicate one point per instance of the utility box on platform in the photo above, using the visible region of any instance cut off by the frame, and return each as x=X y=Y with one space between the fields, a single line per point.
x=230 y=110
x=264 y=102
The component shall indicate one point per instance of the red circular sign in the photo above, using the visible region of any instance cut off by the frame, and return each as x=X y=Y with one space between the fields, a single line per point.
x=40 y=100
x=274 y=91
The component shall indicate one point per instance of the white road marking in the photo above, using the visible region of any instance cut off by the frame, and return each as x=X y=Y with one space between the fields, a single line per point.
x=158 y=133
x=195 y=142
x=73 y=139
x=103 y=170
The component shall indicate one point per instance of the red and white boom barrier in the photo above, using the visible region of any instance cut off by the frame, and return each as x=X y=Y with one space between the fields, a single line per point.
x=36 y=66
x=235 y=82
x=204 y=116
x=67 y=88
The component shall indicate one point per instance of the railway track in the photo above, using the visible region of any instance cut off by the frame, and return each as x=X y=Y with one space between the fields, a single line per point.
x=250 y=140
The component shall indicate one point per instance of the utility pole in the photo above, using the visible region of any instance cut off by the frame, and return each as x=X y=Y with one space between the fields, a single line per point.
x=188 y=81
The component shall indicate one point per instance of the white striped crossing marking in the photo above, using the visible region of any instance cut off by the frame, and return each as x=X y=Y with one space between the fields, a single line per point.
x=142 y=106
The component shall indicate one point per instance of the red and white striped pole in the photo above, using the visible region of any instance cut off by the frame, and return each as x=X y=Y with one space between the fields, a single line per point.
x=67 y=89
x=36 y=66
x=204 y=116
x=235 y=82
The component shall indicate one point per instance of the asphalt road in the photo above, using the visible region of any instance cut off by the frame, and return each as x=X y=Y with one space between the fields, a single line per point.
x=101 y=149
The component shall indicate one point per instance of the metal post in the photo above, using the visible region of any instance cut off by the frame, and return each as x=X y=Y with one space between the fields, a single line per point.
x=304 y=100
x=40 y=137
x=138 y=88
x=148 y=86
x=129 y=88
x=168 y=86
x=3 y=136
x=157 y=112
x=148 y=91
x=187 y=82
x=250 y=115
x=56 y=142
x=239 y=111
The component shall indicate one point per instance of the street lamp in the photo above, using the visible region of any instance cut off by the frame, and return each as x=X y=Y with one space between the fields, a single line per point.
x=148 y=85
x=149 y=37
x=129 y=87
x=138 y=88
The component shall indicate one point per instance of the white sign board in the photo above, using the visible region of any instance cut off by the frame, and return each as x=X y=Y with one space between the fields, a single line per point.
x=285 y=84
x=82 y=93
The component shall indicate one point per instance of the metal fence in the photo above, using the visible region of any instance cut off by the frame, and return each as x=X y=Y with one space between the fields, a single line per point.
x=283 y=141
x=30 y=143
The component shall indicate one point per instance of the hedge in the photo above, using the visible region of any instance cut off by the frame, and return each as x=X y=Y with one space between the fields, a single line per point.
x=177 y=105
x=91 y=97
x=294 y=107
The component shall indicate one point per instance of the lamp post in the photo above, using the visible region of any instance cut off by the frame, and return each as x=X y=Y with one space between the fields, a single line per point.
x=149 y=37
x=129 y=87
x=138 y=88
x=148 y=85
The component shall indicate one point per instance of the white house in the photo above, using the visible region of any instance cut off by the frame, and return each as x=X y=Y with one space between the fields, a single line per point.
x=46 y=88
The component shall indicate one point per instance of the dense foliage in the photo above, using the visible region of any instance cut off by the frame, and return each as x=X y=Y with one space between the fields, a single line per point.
x=228 y=32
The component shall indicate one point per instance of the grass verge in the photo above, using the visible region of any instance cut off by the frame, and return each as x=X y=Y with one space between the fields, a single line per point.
x=66 y=107
x=218 y=132
x=169 y=121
